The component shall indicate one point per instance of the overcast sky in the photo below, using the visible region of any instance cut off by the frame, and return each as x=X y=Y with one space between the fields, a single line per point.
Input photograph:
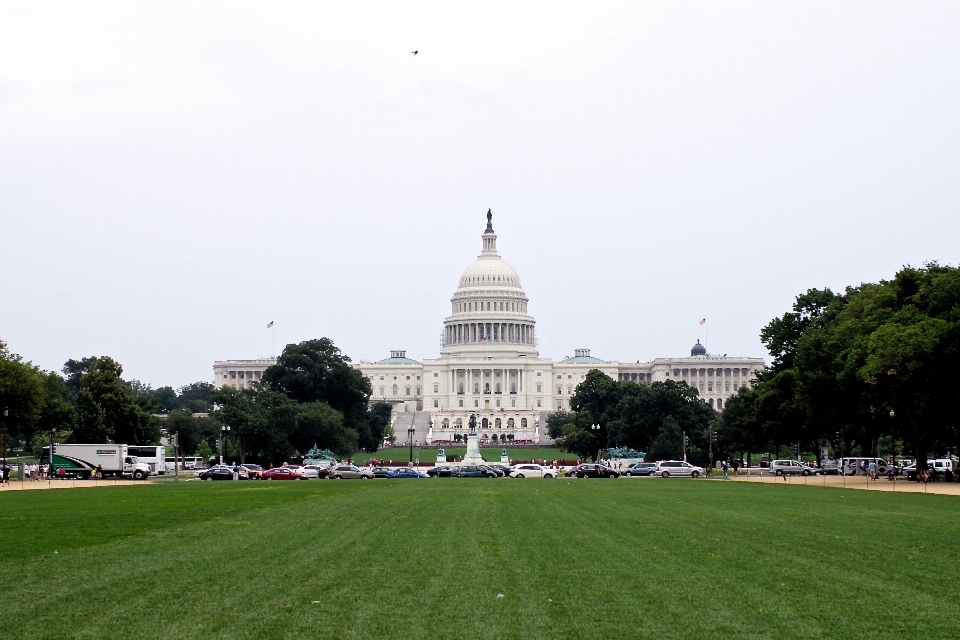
x=175 y=176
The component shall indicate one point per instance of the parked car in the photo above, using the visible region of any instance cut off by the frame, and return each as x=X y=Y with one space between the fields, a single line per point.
x=594 y=471
x=791 y=468
x=350 y=472
x=667 y=468
x=501 y=471
x=254 y=471
x=473 y=471
x=380 y=472
x=218 y=472
x=640 y=469
x=532 y=471
x=406 y=472
x=283 y=473
x=439 y=472
x=309 y=472
x=322 y=472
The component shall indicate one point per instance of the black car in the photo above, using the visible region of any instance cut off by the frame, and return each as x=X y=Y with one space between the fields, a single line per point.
x=217 y=473
x=500 y=471
x=439 y=472
x=595 y=471
x=380 y=472
x=473 y=471
x=640 y=469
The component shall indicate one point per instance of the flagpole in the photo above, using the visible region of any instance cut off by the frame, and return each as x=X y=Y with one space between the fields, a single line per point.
x=273 y=342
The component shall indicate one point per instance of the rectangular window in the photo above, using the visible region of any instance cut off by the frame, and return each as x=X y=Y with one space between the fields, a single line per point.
x=498 y=404
x=513 y=403
x=436 y=403
x=538 y=402
x=476 y=403
x=461 y=403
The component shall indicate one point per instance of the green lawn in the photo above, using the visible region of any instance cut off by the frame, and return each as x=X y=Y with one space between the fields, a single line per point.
x=428 y=558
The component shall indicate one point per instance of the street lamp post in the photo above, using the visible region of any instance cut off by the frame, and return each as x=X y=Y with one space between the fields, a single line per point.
x=223 y=432
x=410 y=431
x=596 y=429
x=6 y=412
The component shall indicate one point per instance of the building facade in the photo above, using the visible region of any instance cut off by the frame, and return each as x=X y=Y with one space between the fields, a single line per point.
x=489 y=366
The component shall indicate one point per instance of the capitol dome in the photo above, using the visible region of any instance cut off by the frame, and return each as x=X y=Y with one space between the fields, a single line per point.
x=489 y=308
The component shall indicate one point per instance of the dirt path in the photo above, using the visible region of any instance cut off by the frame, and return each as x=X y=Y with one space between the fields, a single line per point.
x=859 y=482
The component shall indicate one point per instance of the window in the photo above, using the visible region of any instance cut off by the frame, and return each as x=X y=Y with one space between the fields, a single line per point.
x=569 y=377
x=476 y=387
x=538 y=402
x=460 y=388
x=395 y=390
x=569 y=390
x=418 y=377
x=461 y=403
x=523 y=423
x=559 y=405
x=719 y=404
x=711 y=402
x=418 y=391
x=436 y=375
x=513 y=387
x=446 y=423
x=497 y=423
x=381 y=377
x=538 y=374
x=408 y=377
x=436 y=404
x=436 y=388
x=559 y=377
x=407 y=390
x=513 y=402
x=539 y=388
x=510 y=423
x=476 y=403
x=498 y=402
x=559 y=391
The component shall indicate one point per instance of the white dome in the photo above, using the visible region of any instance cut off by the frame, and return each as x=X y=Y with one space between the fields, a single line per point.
x=489 y=272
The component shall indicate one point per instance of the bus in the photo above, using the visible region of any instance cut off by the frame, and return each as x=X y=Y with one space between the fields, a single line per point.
x=185 y=462
x=152 y=456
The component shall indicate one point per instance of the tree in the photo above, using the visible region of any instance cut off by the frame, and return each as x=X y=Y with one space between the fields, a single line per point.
x=261 y=421
x=187 y=428
x=579 y=438
x=21 y=392
x=107 y=410
x=74 y=370
x=316 y=371
x=57 y=414
x=556 y=420
x=668 y=445
x=318 y=424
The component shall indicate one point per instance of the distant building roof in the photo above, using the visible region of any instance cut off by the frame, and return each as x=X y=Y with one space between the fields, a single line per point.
x=582 y=357
x=398 y=357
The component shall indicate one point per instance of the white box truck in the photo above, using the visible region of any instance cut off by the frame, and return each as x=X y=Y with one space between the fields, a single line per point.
x=82 y=460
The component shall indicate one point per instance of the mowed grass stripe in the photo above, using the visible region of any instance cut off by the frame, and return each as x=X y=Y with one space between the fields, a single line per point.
x=679 y=558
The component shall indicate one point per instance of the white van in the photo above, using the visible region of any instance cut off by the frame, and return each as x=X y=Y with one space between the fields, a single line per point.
x=852 y=466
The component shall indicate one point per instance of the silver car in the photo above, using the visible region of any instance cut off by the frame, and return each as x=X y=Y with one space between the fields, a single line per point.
x=349 y=471
x=790 y=468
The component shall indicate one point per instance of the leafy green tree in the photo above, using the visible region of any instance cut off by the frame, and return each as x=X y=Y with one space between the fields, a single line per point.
x=577 y=436
x=187 y=428
x=668 y=445
x=194 y=396
x=74 y=370
x=319 y=424
x=261 y=421
x=21 y=392
x=316 y=371
x=107 y=410
x=57 y=414
x=556 y=420
x=204 y=451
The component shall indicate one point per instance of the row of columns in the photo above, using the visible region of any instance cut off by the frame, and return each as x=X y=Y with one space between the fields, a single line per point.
x=469 y=381
x=491 y=332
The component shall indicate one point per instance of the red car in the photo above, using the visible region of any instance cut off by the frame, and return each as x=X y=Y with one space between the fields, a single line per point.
x=282 y=473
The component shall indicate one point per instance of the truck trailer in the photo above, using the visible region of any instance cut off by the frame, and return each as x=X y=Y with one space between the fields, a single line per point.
x=82 y=460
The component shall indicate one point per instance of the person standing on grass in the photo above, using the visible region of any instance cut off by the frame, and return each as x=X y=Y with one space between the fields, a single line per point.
x=723 y=466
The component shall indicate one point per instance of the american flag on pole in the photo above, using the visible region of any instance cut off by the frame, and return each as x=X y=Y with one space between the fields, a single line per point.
x=271 y=324
x=483 y=341
x=704 y=321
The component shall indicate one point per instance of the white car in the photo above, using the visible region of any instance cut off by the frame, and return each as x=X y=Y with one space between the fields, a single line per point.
x=310 y=471
x=532 y=471
x=667 y=468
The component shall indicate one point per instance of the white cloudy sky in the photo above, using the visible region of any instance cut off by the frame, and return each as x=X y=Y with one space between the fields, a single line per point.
x=175 y=176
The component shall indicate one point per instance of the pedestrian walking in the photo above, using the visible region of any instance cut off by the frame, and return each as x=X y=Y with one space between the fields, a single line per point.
x=723 y=465
x=872 y=469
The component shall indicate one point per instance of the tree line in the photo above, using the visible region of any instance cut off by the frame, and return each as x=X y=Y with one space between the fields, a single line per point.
x=312 y=396
x=864 y=372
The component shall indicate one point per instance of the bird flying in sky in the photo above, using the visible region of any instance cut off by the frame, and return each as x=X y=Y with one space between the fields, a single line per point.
x=416 y=52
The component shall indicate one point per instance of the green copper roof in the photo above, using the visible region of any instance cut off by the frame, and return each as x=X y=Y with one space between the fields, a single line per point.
x=582 y=360
x=398 y=361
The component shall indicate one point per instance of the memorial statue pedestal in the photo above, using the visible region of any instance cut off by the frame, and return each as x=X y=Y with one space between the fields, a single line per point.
x=473 y=450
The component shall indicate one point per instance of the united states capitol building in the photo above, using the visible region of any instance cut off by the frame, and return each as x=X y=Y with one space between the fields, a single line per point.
x=489 y=366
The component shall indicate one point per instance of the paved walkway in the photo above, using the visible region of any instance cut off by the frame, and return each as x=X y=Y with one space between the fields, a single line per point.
x=858 y=482
x=27 y=485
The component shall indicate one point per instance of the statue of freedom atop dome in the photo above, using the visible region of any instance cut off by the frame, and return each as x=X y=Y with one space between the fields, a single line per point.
x=489 y=221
